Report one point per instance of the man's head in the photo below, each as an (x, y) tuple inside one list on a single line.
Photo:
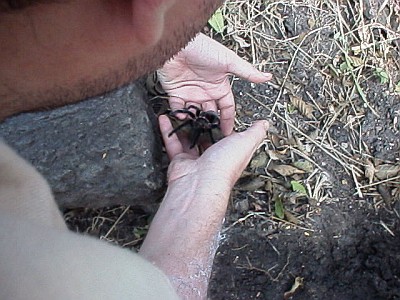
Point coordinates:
[(69, 50)]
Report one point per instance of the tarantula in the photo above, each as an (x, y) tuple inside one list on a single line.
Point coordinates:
[(199, 123)]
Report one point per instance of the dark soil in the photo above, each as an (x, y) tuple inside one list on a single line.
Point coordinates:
[(347, 254)]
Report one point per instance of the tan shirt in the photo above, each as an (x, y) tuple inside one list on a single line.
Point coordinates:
[(41, 259)]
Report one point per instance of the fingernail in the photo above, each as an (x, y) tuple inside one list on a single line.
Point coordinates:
[(266, 125), (268, 75)]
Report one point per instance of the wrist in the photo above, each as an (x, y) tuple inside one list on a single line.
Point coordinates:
[(189, 216), (202, 183)]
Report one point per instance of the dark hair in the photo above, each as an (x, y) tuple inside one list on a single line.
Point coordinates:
[(14, 4), (10, 5)]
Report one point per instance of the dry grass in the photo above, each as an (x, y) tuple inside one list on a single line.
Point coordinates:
[(348, 50)]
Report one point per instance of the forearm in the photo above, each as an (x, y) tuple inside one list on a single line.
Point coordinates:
[(184, 235)]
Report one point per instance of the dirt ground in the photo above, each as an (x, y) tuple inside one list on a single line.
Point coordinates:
[(316, 214), (340, 248), (331, 108)]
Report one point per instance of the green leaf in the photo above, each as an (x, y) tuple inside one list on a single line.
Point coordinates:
[(291, 109), (344, 67), (382, 75), (298, 187), (217, 21), (279, 210), (397, 88), (140, 232), (334, 70)]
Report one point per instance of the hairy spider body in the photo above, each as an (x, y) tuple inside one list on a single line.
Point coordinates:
[(199, 123)]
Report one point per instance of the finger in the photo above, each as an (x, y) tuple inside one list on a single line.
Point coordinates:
[(246, 70), (172, 143), (227, 115), (243, 144), (209, 105), (232, 154), (191, 103), (176, 103)]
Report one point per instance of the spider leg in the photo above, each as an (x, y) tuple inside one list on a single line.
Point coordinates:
[(211, 136), (195, 137), (198, 110), (186, 123), (182, 111)]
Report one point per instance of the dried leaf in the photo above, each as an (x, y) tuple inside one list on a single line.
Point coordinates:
[(279, 210), (386, 171), (311, 23), (297, 177), (304, 165), (298, 283), (298, 187), (274, 155), (384, 190), (291, 141), (299, 144), (276, 140), (260, 160), (245, 174), (369, 171), (269, 186), (290, 87), (286, 170), (257, 207), (356, 61), (251, 184), (304, 108), (282, 152), (291, 218)]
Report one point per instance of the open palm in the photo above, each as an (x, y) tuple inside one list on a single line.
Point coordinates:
[(199, 75)]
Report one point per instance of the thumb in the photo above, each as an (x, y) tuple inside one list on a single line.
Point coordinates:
[(232, 154)]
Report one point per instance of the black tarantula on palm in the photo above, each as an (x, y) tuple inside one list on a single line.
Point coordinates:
[(199, 123)]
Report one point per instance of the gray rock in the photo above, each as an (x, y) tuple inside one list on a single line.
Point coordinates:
[(100, 152)]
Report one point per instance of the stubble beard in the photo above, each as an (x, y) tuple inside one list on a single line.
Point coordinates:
[(136, 67), (55, 96)]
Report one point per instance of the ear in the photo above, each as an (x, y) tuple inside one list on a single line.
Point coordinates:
[(148, 18)]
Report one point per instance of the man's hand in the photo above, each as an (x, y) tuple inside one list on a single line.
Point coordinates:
[(199, 75), (223, 161), (184, 233)]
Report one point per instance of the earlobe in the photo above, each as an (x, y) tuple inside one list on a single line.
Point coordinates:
[(148, 19)]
